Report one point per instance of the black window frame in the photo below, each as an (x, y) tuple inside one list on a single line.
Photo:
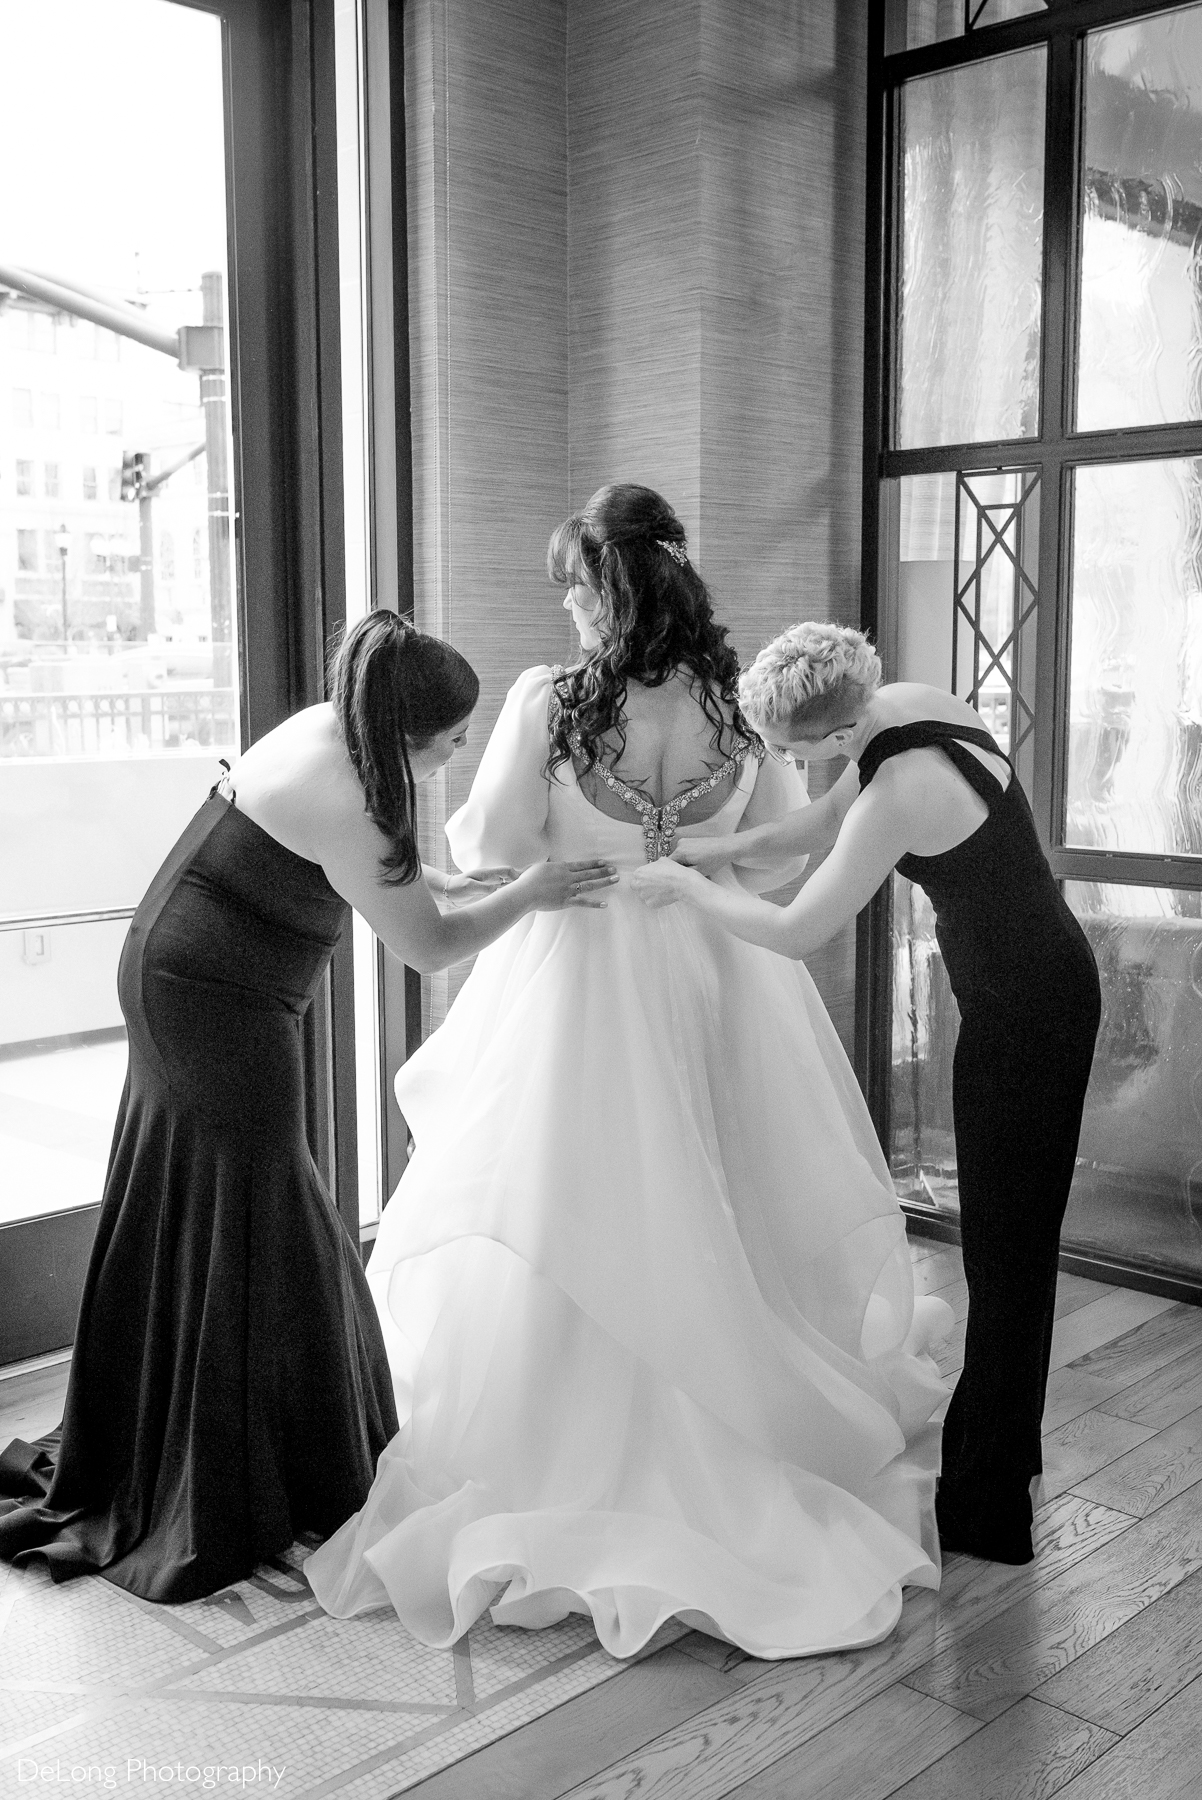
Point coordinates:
[(1056, 451)]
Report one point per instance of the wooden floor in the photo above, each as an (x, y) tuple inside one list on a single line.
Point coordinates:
[(1080, 1675)]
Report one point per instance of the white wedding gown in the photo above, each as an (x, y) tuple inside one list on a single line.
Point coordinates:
[(645, 1284)]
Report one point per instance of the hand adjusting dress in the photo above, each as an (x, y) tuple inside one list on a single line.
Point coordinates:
[(229, 1386), (1027, 987), (644, 1284)]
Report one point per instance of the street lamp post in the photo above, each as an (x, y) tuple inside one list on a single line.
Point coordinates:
[(62, 540)]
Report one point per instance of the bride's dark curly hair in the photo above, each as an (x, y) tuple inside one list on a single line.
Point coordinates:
[(655, 617)]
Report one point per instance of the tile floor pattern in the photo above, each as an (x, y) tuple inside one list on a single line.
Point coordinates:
[(102, 1694)]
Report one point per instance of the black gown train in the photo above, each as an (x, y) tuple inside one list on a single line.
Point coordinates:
[(1026, 983), (229, 1385)]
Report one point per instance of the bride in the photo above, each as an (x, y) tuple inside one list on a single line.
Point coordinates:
[(645, 1284)]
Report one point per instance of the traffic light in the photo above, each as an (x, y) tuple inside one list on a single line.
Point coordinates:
[(133, 474)]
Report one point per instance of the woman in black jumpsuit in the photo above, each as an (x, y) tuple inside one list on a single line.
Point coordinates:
[(1026, 984), (229, 1386)]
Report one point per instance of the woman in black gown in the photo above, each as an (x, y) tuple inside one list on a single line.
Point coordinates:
[(928, 792), (229, 1386)]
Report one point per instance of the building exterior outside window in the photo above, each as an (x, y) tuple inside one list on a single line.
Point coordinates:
[(88, 418), (23, 408), (51, 412), (50, 482), (112, 416), (27, 550), (89, 481), (24, 476)]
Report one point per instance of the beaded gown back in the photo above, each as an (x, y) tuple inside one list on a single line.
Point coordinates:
[(644, 1285)]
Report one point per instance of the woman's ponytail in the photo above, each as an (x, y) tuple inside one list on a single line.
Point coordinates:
[(392, 687)]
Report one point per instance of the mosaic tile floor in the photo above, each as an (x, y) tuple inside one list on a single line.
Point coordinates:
[(256, 1691)]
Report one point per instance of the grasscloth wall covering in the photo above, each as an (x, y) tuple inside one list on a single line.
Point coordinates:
[(636, 243)]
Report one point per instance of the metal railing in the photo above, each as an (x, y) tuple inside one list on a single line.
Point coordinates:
[(112, 724)]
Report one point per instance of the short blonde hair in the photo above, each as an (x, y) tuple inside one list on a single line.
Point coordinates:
[(812, 675)]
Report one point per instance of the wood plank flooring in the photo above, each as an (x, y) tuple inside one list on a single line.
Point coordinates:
[(1078, 1676)]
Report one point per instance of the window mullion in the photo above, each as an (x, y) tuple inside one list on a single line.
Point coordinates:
[(1051, 660)]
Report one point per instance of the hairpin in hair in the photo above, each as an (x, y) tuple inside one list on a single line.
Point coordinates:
[(675, 551)]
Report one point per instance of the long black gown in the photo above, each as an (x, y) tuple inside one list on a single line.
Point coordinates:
[(1027, 987), (229, 1385)]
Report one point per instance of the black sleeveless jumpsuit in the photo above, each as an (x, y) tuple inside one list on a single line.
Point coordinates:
[(1027, 987)]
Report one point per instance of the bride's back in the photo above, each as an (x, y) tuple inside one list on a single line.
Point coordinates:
[(670, 747)]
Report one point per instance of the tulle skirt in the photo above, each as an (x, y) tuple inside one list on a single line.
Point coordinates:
[(648, 1307)]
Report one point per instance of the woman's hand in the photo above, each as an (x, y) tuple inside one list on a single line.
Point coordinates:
[(460, 890), (551, 886), (665, 882), (708, 855)]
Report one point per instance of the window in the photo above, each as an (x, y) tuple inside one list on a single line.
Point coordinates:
[(114, 484), (256, 136), (27, 551), (88, 414), (50, 481), (50, 412), (1034, 532), (22, 407), (24, 477), (112, 417), (89, 482), (167, 556)]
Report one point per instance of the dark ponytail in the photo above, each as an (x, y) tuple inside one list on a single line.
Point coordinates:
[(392, 686)]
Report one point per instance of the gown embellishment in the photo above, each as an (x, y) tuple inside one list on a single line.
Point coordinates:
[(660, 823)]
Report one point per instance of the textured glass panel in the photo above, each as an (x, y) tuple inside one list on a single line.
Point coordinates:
[(1135, 706), (1137, 1192), (926, 1021), (912, 23), (1138, 1188), (1141, 263), (968, 558), (972, 247)]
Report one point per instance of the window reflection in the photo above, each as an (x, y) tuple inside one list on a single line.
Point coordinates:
[(972, 247), (1135, 710), (1141, 227), (1138, 1187)]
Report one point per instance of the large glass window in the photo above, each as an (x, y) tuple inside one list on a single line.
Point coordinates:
[(1041, 343), (972, 246), (118, 683), (1141, 212), (1135, 674)]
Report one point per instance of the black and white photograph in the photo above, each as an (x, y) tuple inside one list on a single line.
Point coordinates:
[(601, 899)]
